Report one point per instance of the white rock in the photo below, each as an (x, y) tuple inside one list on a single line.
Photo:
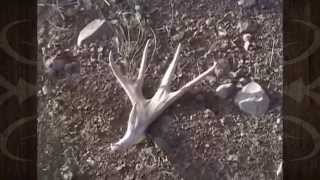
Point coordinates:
[(279, 170), (246, 3), (222, 32), (233, 157), (225, 90), (44, 90), (67, 175), (247, 37), (90, 161), (252, 99), (178, 36), (247, 41), (246, 45), (89, 30)]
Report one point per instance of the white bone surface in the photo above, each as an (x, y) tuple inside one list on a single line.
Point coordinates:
[(145, 111)]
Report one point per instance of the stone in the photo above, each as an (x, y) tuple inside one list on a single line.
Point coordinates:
[(223, 67), (209, 21), (179, 36), (90, 161), (247, 26), (222, 32), (45, 90), (252, 99), (232, 157), (246, 3), (211, 79), (207, 113), (247, 41)]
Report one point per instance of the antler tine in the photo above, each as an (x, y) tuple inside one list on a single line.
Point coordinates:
[(140, 78), (125, 83), (187, 86), (143, 114), (165, 82)]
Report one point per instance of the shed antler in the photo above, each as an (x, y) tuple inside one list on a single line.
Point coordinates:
[(145, 111)]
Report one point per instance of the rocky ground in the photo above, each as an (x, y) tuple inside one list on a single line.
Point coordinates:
[(201, 136)]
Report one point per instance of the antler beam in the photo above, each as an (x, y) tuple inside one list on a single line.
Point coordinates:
[(145, 111)]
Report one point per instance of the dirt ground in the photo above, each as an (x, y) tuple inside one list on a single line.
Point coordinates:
[(201, 136)]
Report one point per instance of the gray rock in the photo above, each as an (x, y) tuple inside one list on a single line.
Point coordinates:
[(44, 90), (212, 79), (233, 157), (223, 67), (90, 161), (246, 3), (179, 36), (209, 21), (252, 99), (222, 32), (87, 4), (247, 26)]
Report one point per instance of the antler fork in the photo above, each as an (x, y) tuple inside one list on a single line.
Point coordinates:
[(145, 111)]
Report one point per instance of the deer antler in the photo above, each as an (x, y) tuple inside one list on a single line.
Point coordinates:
[(145, 111)]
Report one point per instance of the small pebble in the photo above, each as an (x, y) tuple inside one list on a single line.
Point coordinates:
[(246, 3)]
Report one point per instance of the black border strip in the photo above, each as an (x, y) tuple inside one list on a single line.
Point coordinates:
[(18, 102), (301, 97)]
